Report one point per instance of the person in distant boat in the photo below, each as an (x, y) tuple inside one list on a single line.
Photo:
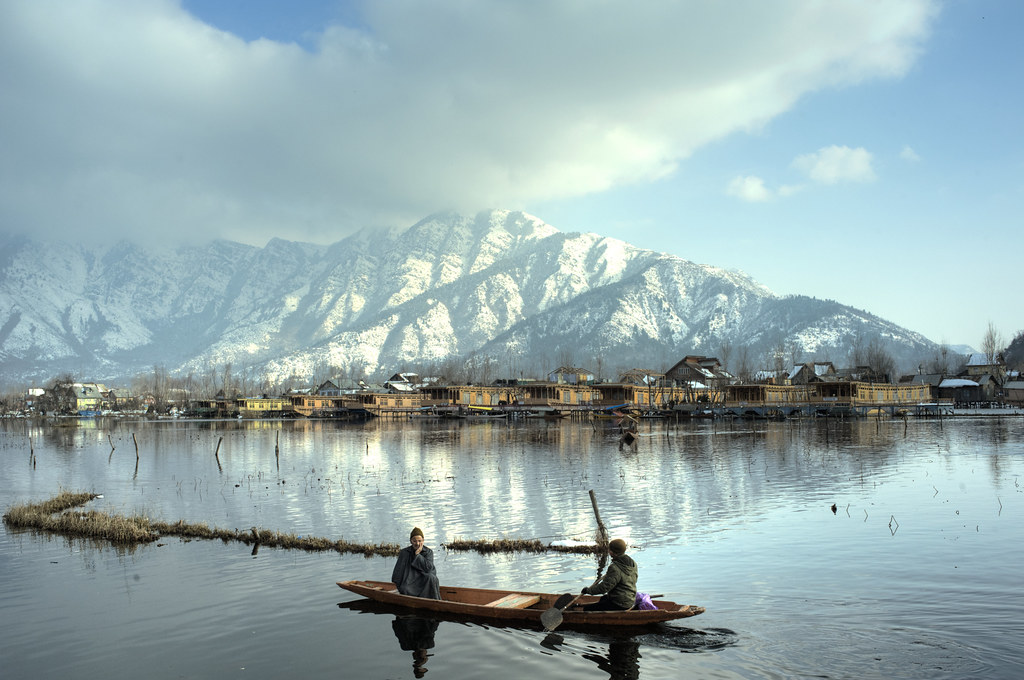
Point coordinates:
[(414, 573), (628, 437), (618, 587)]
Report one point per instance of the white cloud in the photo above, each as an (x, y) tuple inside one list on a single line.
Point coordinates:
[(908, 154), (835, 164), (749, 188), (119, 117)]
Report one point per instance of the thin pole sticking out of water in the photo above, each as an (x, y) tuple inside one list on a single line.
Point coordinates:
[(216, 454), (602, 533), (136, 447)]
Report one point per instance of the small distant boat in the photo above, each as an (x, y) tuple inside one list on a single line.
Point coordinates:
[(611, 412), (514, 606), (485, 412)]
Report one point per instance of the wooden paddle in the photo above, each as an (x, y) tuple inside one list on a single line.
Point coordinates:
[(552, 618)]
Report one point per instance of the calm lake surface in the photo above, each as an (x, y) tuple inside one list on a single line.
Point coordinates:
[(916, 574)]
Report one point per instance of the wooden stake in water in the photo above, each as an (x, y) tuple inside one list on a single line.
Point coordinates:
[(136, 447), (602, 533), (216, 454)]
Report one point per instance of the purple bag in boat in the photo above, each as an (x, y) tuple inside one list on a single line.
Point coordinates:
[(643, 601)]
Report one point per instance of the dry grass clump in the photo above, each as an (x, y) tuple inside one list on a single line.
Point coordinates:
[(58, 515), (510, 545), (55, 516), (500, 545), (65, 500), (274, 539), (578, 549)]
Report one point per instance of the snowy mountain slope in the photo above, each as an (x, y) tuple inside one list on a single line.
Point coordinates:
[(500, 285)]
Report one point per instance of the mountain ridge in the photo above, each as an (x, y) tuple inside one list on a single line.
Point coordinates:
[(500, 286)]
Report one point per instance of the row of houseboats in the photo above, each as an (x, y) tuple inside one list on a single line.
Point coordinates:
[(849, 398)]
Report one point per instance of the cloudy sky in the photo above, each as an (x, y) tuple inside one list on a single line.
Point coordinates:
[(867, 152)]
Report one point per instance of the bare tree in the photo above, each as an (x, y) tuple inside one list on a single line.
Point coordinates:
[(725, 353), (778, 360), (487, 368), (565, 357), (878, 358), (743, 364), (227, 384), (940, 362), (992, 343), (858, 352), (158, 387), (795, 352)]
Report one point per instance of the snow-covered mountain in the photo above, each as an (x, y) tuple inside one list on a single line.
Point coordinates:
[(502, 290)]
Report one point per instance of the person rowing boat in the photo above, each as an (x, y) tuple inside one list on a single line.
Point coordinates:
[(618, 587)]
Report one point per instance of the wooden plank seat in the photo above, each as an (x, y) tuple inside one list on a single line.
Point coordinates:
[(515, 601)]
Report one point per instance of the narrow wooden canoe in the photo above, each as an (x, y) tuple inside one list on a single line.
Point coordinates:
[(515, 606)]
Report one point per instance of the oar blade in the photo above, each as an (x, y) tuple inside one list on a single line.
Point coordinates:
[(551, 619)]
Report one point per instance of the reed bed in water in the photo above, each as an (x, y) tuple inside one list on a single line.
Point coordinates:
[(61, 515)]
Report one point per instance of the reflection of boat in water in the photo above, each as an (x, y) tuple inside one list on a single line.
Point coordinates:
[(416, 633), (548, 413), (516, 607)]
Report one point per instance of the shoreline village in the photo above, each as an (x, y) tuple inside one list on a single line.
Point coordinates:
[(696, 387)]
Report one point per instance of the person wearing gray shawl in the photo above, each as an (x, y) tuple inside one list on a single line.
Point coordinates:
[(414, 573)]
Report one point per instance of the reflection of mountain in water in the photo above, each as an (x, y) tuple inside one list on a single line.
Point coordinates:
[(528, 480)]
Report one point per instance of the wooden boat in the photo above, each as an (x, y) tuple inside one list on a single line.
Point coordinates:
[(514, 606)]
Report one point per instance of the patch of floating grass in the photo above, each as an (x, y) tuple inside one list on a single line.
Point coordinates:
[(61, 515), (510, 545), (58, 516)]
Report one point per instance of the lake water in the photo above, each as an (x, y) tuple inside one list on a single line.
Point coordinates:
[(916, 574)]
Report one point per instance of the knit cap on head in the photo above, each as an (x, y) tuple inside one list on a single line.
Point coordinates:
[(416, 531), (617, 546)]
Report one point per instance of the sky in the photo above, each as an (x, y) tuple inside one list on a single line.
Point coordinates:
[(862, 151)]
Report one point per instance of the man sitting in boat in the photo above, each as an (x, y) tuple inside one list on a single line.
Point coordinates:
[(414, 573), (618, 587)]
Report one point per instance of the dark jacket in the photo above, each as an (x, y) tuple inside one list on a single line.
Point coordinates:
[(415, 575), (619, 582)]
